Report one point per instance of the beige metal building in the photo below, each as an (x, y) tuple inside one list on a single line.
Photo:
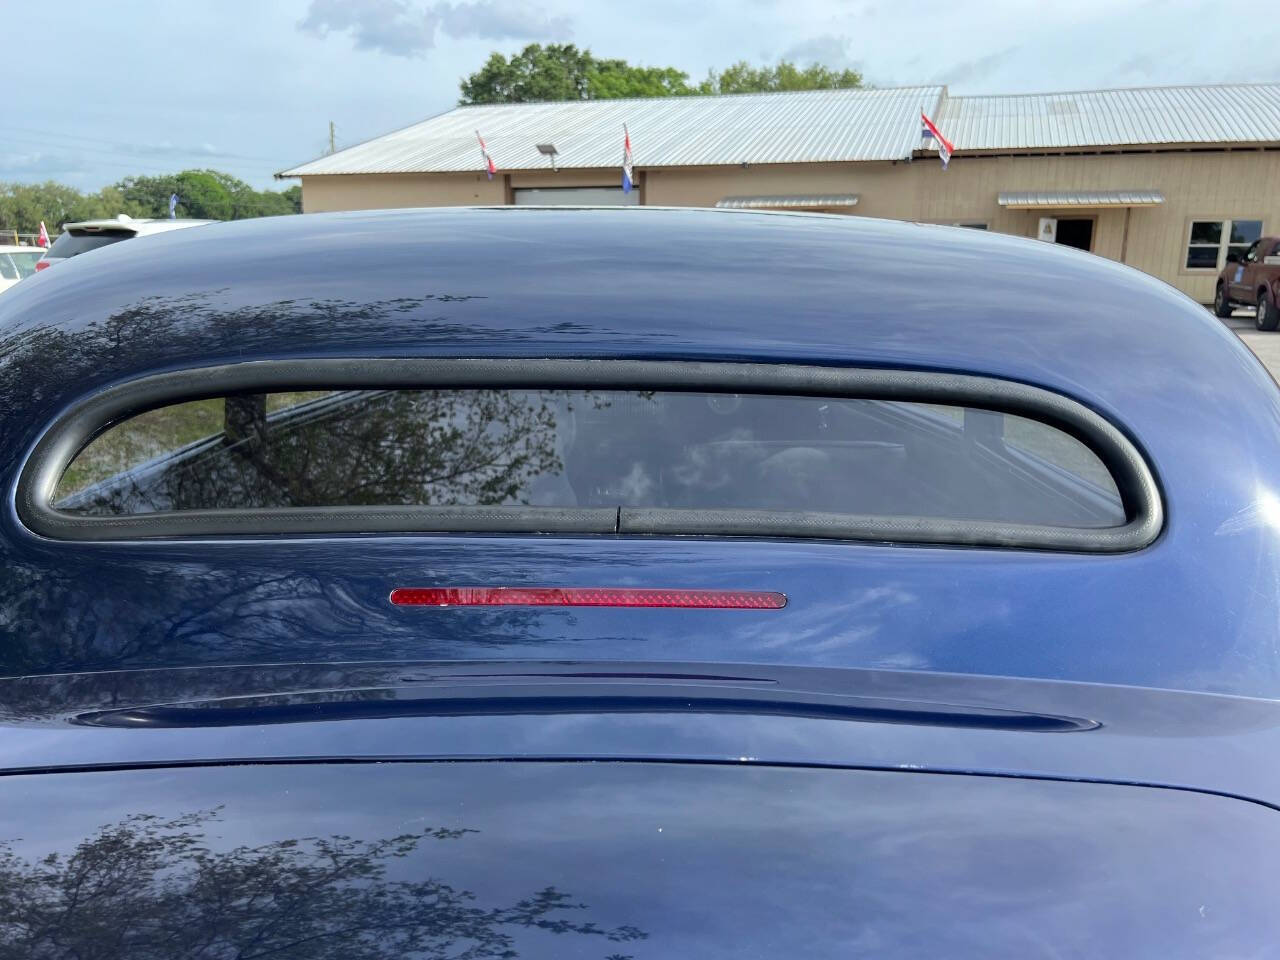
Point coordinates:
[(1165, 179)]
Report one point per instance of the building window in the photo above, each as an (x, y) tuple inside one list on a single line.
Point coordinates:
[(1210, 241)]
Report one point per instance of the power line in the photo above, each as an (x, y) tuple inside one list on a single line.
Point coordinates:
[(147, 164), (120, 163), (91, 163), (119, 144)]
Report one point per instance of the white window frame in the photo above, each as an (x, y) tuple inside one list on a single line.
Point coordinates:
[(1223, 245)]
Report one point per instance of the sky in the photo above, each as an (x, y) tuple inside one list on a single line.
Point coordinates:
[(97, 91)]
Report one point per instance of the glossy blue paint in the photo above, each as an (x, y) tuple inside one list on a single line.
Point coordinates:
[(1196, 611), (1094, 728), (625, 860), (715, 712)]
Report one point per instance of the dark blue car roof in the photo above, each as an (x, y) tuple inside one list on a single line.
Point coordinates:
[(1037, 751), (643, 283), (1197, 609)]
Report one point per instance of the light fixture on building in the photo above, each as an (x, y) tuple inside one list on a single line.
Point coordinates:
[(549, 151)]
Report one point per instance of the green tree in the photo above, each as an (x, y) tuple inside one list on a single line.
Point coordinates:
[(148, 195), (292, 196), (109, 202), (560, 71), (204, 194), (24, 205), (614, 79), (742, 77)]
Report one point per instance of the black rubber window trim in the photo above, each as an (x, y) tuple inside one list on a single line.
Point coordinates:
[(67, 436)]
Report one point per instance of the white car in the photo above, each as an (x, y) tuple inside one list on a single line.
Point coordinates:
[(78, 238), (16, 263)]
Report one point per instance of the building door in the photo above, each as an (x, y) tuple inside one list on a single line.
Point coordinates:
[(574, 197), (1076, 233)]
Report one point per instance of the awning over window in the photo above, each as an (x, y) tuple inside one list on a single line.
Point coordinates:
[(1087, 198), (797, 202)]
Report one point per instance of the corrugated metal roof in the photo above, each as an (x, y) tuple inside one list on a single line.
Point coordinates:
[(809, 202), (1225, 113), (811, 127), (802, 127), (1091, 198)]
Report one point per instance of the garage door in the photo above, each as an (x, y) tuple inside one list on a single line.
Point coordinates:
[(575, 197)]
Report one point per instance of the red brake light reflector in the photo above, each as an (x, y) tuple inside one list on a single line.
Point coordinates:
[(586, 597), (43, 265)]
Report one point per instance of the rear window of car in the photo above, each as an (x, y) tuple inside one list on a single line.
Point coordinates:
[(74, 243), (26, 261), (617, 449)]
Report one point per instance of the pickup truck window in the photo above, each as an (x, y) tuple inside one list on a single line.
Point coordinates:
[(1241, 235), (1209, 242)]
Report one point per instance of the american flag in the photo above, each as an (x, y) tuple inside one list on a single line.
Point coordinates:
[(626, 160), (929, 132), (489, 168)]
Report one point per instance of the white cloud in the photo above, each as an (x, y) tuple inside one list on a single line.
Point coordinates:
[(501, 20), (828, 49), (389, 26), (40, 165), (976, 70), (405, 29)]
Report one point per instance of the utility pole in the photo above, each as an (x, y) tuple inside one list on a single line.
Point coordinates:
[(332, 147)]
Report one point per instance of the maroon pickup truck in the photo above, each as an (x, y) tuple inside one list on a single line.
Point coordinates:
[(1252, 279)]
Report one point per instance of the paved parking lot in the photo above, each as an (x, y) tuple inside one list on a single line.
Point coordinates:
[(1265, 345)]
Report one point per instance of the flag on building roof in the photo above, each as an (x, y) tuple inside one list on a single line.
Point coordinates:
[(626, 160), (489, 168), (929, 131), (44, 235)]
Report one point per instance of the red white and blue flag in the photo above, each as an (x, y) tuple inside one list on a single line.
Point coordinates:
[(489, 168), (44, 236), (626, 160), (929, 132)]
